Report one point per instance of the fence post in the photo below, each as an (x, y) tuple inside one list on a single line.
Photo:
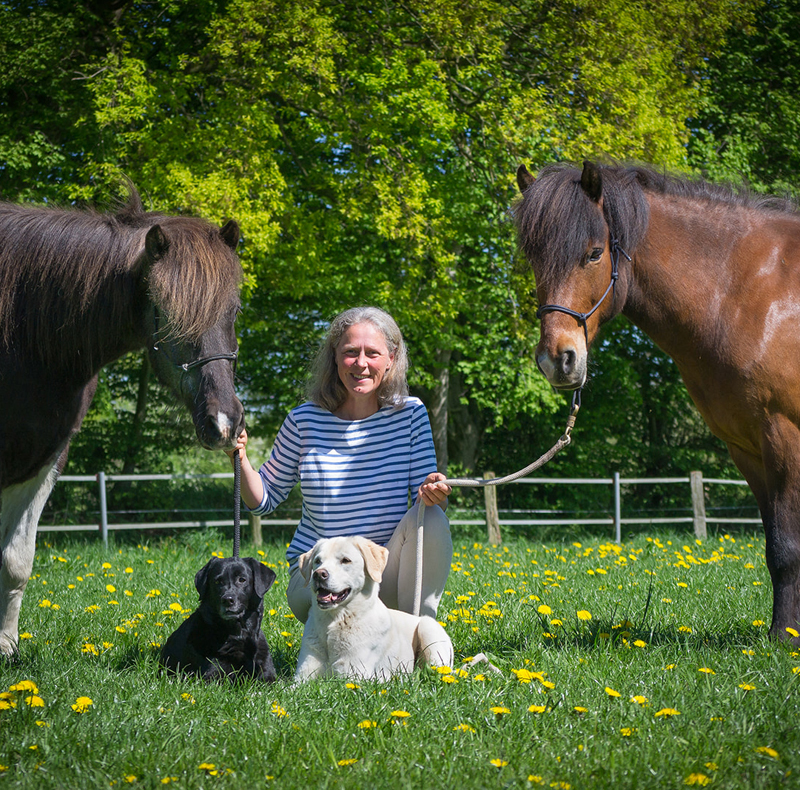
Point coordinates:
[(492, 516), (698, 505), (255, 528), (101, 483), (617, 510)]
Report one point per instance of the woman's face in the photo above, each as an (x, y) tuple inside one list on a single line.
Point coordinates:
[(362, 359)]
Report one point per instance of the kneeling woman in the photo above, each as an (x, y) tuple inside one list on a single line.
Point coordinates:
[(359, 447)]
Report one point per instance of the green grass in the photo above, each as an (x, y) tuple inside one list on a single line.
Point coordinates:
[(675, 624)]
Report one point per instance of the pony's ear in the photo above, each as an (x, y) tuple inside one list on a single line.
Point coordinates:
[(230, 233), (592, 182), (524, 178), (156, 243)]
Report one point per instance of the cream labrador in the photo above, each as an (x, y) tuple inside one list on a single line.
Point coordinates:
[(350, 632)]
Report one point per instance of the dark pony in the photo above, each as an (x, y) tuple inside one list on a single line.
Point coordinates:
[(78, 289), (712, 275)]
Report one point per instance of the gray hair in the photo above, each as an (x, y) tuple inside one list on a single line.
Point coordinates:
[(324, 386)]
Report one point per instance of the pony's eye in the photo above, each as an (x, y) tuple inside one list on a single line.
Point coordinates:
[(595, 254)]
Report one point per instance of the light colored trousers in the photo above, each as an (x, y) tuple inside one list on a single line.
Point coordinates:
[(397, 585)]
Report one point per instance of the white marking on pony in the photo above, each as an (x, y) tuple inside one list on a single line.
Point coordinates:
[(778, 314), (224, 423), (22, 504)]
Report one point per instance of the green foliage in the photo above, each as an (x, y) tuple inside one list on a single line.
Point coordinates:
[(748, 125)]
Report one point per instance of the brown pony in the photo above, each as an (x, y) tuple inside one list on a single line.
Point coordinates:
[(78, 290), (713, 277)]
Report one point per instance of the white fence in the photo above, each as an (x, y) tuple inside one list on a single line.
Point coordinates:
[(695, 482)]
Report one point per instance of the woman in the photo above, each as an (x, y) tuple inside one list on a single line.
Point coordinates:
[(359, 446)]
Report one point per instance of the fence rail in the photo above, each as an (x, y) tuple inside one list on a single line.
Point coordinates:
[(491, 520)]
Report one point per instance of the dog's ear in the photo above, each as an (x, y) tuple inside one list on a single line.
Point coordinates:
[(201, 578), (263, 577), (304, 563), (375, 558)]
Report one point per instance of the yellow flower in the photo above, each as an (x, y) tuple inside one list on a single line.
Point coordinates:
[(111, 588), (746, 686), (351, 686), (34, 701), (25, 685), (639, 643), (668, 712), (544, 609), (400, 714), (537, 708), (612, 693), (464, 728), (639, 699), (579, 709), (584, 615), (792, 632), (499, 711), (768, 750), (627, 731), (367, 724), (82, 704), (498, 763), (697, 779), (350, 761), (707, 671)]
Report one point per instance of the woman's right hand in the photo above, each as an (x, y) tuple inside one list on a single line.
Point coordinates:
[(241, 445)]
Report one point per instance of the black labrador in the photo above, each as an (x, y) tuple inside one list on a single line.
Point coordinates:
[(222, 638)]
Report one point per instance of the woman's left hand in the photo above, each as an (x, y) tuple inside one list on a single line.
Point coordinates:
[(434, 491)]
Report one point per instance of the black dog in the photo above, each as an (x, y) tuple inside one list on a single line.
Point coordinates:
[(222, 638)]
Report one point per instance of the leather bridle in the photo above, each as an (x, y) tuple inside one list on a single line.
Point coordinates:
[(582, 318)]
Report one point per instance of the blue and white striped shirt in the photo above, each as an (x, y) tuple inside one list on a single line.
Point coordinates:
[(355, 477)]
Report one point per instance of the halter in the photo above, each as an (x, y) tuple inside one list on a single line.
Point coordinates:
[(232, 356), (582, 318)]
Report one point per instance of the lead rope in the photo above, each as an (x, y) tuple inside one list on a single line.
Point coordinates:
[(477, 482), (237, 504)]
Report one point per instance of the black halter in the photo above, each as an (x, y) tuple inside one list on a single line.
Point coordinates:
[(232, 356), (581, 318)]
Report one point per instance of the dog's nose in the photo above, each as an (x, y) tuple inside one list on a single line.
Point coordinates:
[(321, 574)]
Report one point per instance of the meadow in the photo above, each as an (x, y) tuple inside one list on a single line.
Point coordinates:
[(644, 665)]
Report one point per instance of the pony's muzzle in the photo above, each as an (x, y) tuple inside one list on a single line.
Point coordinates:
[(219, 429), (565, 365)]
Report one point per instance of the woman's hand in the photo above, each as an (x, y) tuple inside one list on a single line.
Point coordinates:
[(434, 491), (241, 445)]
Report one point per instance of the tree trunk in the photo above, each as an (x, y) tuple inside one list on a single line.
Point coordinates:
[(438, 407), (137, 427)]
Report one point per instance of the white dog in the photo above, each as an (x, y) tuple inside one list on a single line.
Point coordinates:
[(350, 632)]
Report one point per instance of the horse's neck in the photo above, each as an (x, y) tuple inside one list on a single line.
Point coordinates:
[(680, 275)]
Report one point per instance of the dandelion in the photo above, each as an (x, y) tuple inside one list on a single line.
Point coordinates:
[(639, 699), (537, 709), (697, 779), (612, 693), (758, 623), (26, 635), (350, 761), (768, 750), (367, 724), (707, 671), (352, 686), (498, 763), (499, 711), (25, 685), (640, 643), (111, 588), (664, 712), (579, 709), (544, 609), (278, 710), (792, 632), (400, 714), (464, 728), (746, 687), (34, 701), (535, 780), (627, 731), (82, 704), (584, 615)]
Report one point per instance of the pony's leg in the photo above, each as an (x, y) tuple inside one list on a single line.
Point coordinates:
[(775, 483), (21, 507)]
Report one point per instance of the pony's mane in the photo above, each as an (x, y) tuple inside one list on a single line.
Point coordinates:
[(554, 215), (63, 270)]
